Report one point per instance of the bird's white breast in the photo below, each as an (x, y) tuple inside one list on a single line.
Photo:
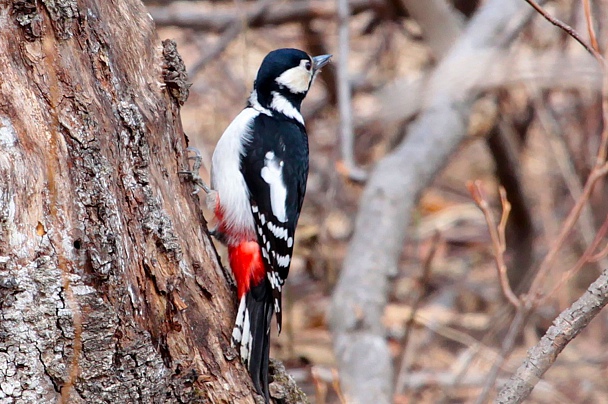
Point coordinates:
[(226, 177)]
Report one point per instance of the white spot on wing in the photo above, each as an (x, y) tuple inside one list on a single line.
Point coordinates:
[(278, 231), (277, 307), (272, 173), (283, 260), (289, 242), (275, 281)]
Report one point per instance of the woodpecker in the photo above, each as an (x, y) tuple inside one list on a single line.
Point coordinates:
[(258, 180)]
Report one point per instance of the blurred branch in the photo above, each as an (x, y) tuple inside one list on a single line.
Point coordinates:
[(279, 13), (391, 193), (344, 96), (315, 45), (520, 229), (422, 287), (565, 328), (508, 342), (564, 161), (588, 256), (539, 70), (547, 263), (229, 35), (439, 22)]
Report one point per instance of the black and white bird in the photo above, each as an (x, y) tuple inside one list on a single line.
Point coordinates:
[(258, 180)]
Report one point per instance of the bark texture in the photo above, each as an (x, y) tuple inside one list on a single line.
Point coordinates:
[(110, 290)]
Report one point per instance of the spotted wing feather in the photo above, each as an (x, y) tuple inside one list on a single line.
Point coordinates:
[(275, 168)]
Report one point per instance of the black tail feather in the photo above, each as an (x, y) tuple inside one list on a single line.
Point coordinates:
[(253, 344)]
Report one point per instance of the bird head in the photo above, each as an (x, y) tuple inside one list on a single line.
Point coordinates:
[(286, 75)]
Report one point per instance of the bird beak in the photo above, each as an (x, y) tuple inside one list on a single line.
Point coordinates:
[(319, 61)]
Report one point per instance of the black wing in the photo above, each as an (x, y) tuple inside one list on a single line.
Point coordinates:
[(275, 167)]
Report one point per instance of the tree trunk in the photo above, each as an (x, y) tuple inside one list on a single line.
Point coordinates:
[(110, 289)]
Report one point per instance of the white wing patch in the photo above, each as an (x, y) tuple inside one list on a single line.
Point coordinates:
[(282, 105), (272, 173)]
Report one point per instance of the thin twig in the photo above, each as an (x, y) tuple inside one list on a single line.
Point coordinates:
[(587, 256), (549, 260), (590, 30), (497, 235), (507, 347), (568, 29), (336, 385), (564, 161), (600, 255), (422, 282)]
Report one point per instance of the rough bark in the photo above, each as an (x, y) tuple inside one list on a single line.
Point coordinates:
[(391, 193), (110, 290)]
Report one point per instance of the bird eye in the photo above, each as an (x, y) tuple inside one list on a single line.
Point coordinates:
[(307, 65)]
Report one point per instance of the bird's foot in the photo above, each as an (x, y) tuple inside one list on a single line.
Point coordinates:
[(193, 176), (219, 236)]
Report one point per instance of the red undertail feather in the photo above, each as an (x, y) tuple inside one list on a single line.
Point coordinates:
[(247, 265)]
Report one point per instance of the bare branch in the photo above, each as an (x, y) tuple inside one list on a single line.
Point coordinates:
[(565, 328), (280, 13), (229, 35), (440, 24), (344, 96)]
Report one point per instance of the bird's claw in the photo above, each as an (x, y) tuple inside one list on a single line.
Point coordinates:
[(193, 175)]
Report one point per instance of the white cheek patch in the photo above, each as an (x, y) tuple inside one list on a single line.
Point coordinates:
[(272, 173), (297, 79)]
